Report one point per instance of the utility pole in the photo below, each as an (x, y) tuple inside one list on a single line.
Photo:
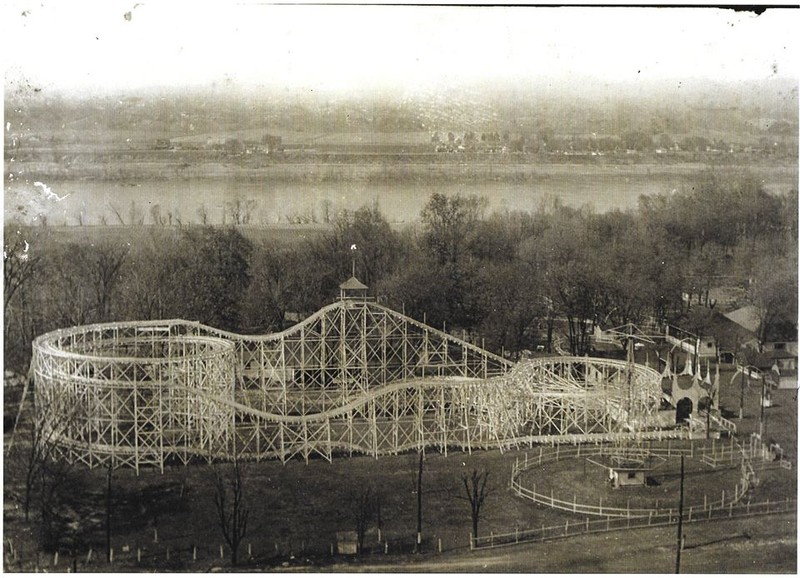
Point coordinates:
[(741, 398), (418, 547), (761, 424), (680, 525), (108, 511)]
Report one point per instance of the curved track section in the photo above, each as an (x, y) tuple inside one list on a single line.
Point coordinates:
[(353, 377)]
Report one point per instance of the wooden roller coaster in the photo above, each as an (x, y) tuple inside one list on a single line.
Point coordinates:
[(355, 377)]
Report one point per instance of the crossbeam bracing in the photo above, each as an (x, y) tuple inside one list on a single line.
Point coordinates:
[(355, 377)]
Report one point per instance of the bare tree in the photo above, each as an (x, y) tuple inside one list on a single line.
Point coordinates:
[(363, 506), (202, 214), (475, 492), (117, 213), (156, 216), (34, 454), (232, 512), (241, 211), (106, 265), (19, 264), (135, 214)]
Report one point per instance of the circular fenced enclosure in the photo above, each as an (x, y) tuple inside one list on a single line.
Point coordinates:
[(355, 377)]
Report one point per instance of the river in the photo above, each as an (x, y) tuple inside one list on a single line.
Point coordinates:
[(95, 202)]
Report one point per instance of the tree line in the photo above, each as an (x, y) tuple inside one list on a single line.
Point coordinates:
[(516, 279)]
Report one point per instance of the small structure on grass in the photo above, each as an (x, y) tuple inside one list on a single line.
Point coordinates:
[(347, 543)]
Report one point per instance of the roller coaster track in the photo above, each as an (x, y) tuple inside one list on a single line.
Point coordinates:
[(353, 377)]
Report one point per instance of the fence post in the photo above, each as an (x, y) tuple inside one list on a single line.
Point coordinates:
[(221, 552), (730, 510), (600, 513), (194, 553), (111, 555), (767, 505), (574, 502), (89, 556), (608, 522), (55, 559), (690, 512), (491, 539), (155, 535), (138, 555), (649, 517), (587, 524), (551, 498), (386, 547), (566, 528), (516, 535), (471, 545), (705, 502), (440, 545), (167, 553), (249, 550)]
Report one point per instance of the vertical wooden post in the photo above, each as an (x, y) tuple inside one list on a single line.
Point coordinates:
[(680, 524)]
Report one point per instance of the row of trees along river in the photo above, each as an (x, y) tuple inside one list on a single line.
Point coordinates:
[(512, 277)]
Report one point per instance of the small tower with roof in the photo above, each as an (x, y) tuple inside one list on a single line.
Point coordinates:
[(353, 290)]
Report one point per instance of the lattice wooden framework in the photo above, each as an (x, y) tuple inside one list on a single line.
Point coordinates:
[(354, 377)]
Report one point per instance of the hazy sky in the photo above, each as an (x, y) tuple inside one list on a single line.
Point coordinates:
[(74, 45)]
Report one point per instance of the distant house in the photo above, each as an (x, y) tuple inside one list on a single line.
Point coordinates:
[(748, 317), (777, 367), (272, 144), (695, 345)]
